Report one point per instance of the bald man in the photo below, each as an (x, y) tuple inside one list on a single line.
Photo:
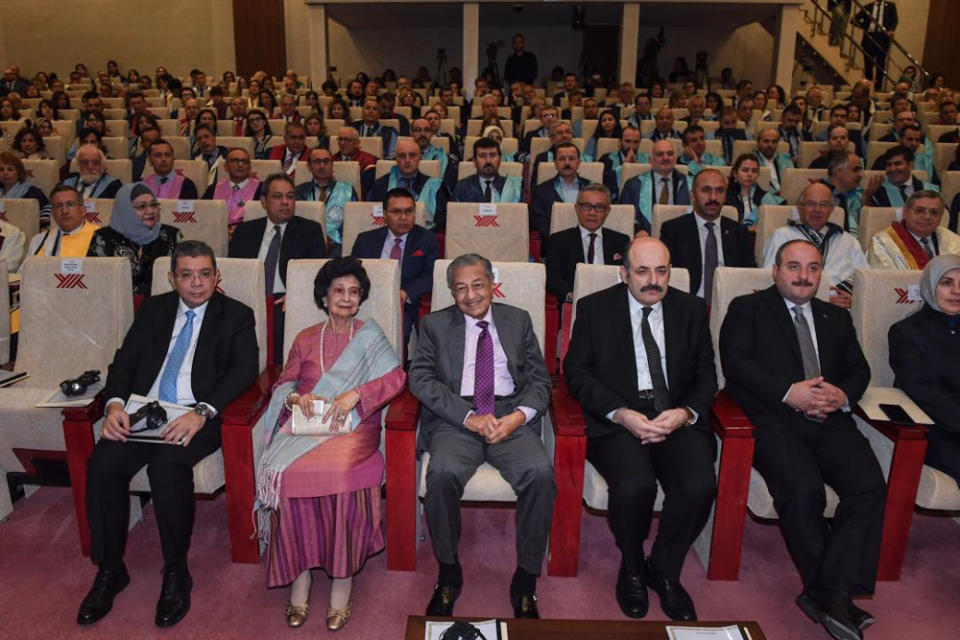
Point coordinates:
[(640, 429), (406, 174)]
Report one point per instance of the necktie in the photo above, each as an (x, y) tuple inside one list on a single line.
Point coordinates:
[(396, 251), (591, 250), (288, 161), (483, 371), (903, 191), (270, 263), (710, 262), (487, 191), (808, 355), (164, 179), (168, 380), (927, 247), (664, 192), (236, 188), (661, 395), (727, 147), (321, 193)]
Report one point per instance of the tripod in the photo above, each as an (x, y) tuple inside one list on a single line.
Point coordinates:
[(441, 71)]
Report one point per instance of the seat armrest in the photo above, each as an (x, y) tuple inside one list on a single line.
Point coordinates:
[(403, 412), (89, 413), (246, 409), (566, 413), (728, 419), (892, 431)]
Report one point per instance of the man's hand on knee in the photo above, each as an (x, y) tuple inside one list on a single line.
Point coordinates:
[(116, 424)]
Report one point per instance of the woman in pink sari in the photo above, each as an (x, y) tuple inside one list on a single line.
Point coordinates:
[(319, 496)]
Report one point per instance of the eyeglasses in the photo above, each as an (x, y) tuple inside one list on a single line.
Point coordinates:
[(402, 212), (589, 207), (140, 208)]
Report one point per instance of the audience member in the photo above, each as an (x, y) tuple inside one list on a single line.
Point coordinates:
[(695, 155), (909, 244), (521, 65), (744, 193), (488, 185), (70, 233), (768, 141), (258, 128), (406, 174), (294, 147), (239, 187), (209, 151), (370, 126), (565, 187), (14, 185), (728, 133), (663, 184), (324, 187), (899, 183), (664, 125), (844, 178), (422, 134), (165, 181), (91, 179), (838, 140)]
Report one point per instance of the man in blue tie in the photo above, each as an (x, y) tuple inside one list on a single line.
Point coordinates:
[(193, 347)]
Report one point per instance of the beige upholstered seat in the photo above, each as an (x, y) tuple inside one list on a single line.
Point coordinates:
[(609, 145), (500, 233), (4, 332), (729, 283), (73, 317), (773, 216), (43, 173), (592, 171), (366, 216), (98, 210), (204, 220), (118, 128), (810, 151), (665, 212), (741, 147), (523, 285), (196, 170), (563, 216), (243, 142), (876, 219), (875, 149), (345, 171), (23, 213), (259, 169), (467, 169), (943, 155), (794, 181), (539, 145), (429, 168), (181, 147), (882, 299), (634, 169), (121, 169), (950, 186), (242, 280)]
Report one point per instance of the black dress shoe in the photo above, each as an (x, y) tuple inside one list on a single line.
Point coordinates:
[(631, 592), (444, 597), (861, 618), (525, 606), (674, 599), (832, 613), (174, 602), (99, 599)]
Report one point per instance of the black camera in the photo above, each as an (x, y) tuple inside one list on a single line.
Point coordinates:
[(78, 386), (153, 413)]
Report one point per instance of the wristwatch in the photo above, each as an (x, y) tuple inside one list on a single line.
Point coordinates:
[(203, 409), (691, 416)]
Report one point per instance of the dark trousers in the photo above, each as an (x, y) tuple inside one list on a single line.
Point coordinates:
[(943, 451), (796, 460), (455, 454), (683, 463), (875, 48), (170, 469), (278, 321)]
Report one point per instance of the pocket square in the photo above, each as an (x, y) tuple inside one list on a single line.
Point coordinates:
[(418, 252)]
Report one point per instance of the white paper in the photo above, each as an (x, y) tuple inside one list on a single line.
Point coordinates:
[(487, 208), (316, 426), (489, 629), (873, 397), (731, 632), (90, 206), (378, 210), (59, 399), (185, 206), (174, 411), (71, 266), (913, 293)]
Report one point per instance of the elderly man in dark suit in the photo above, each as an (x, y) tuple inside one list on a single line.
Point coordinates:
[(793, 363), (703, 240), (276, 239), (588, 242), (480, 375), (401, 239), (641, 365), (192, 346)]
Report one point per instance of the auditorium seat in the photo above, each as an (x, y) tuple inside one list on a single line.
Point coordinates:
[(875, 219), (427, 167), (467, 169), (23, 213), (664, 212), (117, 128), (508, 145), (204, 220), (943, 155), (366, 216), (196, 170), (794, 181), (592, 171), (771, 217), (56, 148), (475, 127), (950, 186), (741, 147), (70, 322), (343, 171), (875, 149), (632, 169), (810, 151), (245, 143), (609, 145), (883, 298), (500, 234), (98, 210), (45, 174), (259, 169)]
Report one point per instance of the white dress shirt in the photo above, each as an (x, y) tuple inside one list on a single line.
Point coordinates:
[(644, 381), (569, 190), (597, 244), (389, 242), (493, 186), (702, 232), (265, 246)]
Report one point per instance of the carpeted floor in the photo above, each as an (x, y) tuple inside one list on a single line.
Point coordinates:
[(44, 578)]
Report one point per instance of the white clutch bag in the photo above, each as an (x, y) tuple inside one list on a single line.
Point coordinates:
[(300, 425)]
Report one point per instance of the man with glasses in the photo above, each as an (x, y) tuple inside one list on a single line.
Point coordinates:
[(348, 141), (406, 174), (238, 189), (70, 234), (423, 135), (166, 182), (588, 242), (841, 251), (293, 149), (548, 115), (370, 127), (91, 179), (402, 239), (325, 188), (208, 355), (911, 243)]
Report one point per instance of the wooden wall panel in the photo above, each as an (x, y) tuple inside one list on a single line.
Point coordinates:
[(259, 36), (940, 49)]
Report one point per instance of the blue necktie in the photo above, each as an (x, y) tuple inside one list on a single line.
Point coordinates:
[(168, 381)]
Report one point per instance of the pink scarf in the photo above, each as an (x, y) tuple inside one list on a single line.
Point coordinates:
[(236, 199), (168, 191)]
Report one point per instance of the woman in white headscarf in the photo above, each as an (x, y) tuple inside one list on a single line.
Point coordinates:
[(925, 358), (135, 233)]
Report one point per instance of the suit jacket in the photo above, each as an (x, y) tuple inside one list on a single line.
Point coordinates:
[(301, 239), (736, 134), (865, 18), (563, 251), (925, 359), (683, 239), (361, 157), (378, 191), (524, 146), (279, 152), (541, 205), (881, 199), (108, 189), (389, 135), (225, 362), (468, 189), (760, 355), (601, 369), (416, 267), (437, 368)]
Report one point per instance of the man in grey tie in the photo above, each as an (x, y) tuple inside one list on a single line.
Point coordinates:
[(479, 373), (192, 346), (794, 365)]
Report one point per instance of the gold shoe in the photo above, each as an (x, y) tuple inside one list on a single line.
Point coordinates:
[(337, 618), (296, 614)]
